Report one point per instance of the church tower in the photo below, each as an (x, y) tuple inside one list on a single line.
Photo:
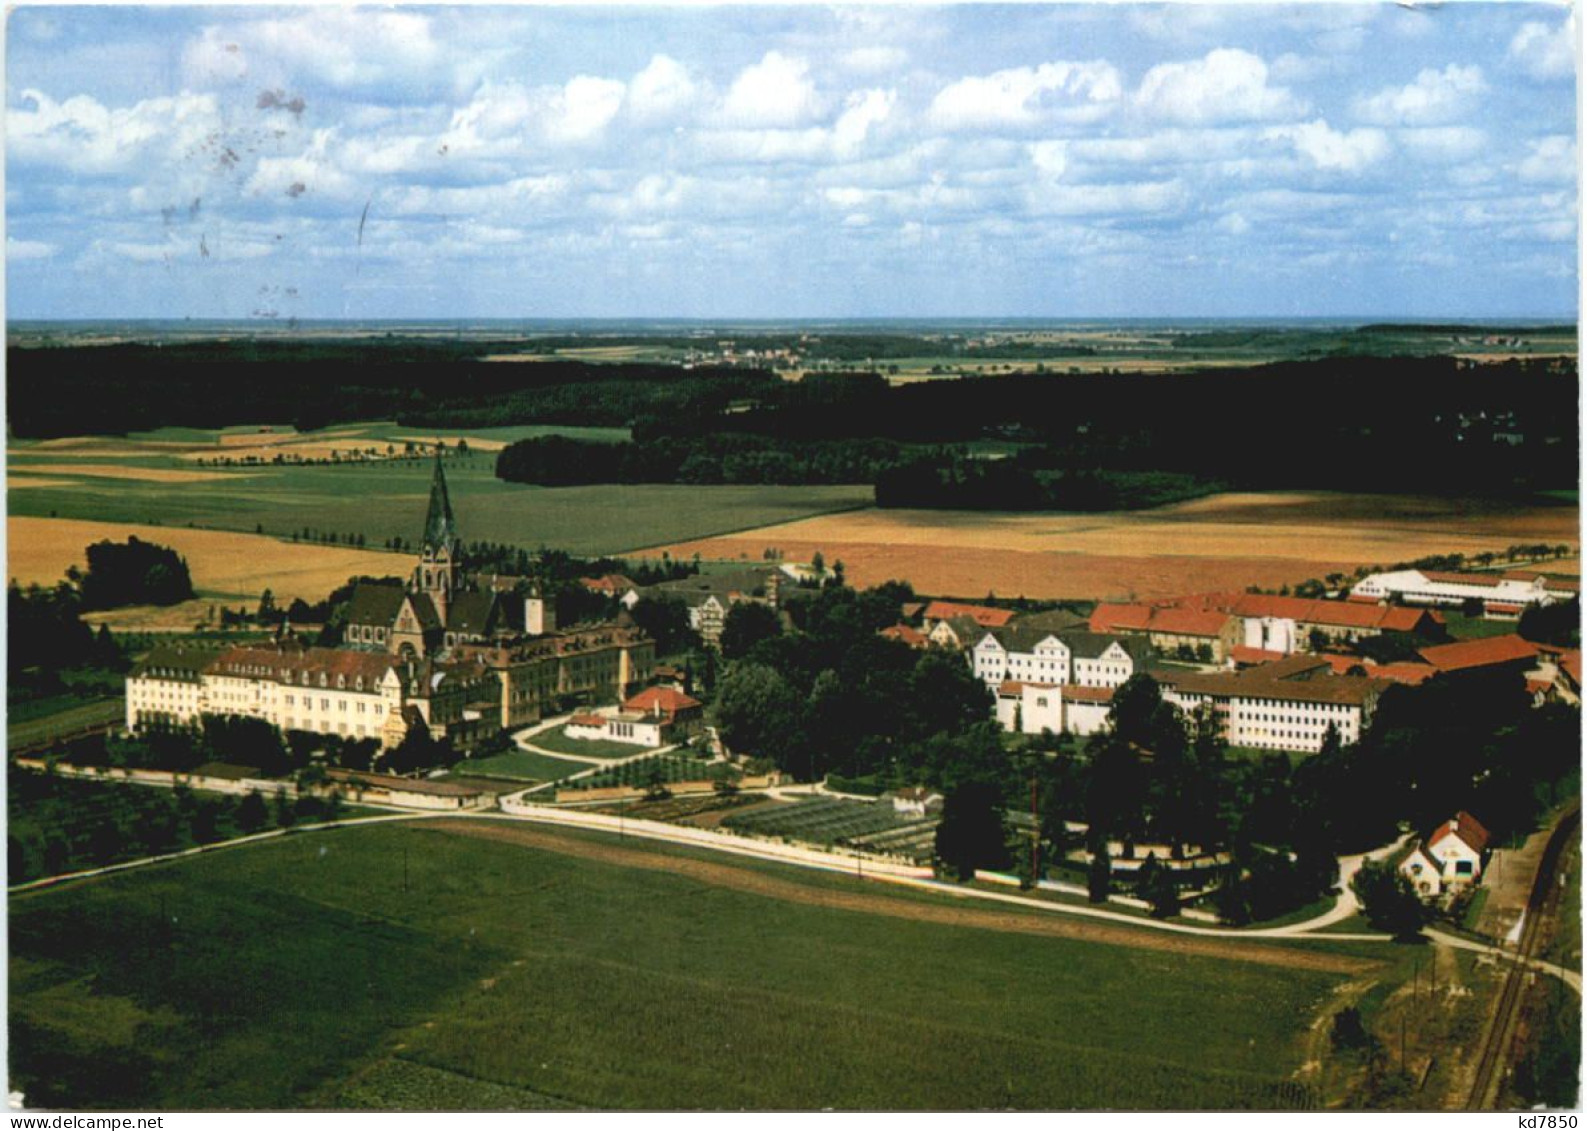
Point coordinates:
[(437, 573)]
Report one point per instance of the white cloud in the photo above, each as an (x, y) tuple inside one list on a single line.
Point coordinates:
[(662, 90), (1443, 143), (17, 250), (1148, 198), (862, 110), (1022, 96), (581, 109), (1544, 52), (502, 117), (776, 91), (1434, 98), (213, 57), (345, 47), (1552, 160), (1228, 85), (1234, 223), (312, 171), (873, 60), (1051, 158), (83, 136), (1334, 150)]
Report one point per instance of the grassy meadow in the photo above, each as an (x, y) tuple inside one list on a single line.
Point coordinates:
[(381, 501), (309, 972)]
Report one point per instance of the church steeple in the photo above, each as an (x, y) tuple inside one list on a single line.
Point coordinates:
[(437, 571), (440, 528)]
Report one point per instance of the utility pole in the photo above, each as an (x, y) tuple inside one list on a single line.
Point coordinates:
[(1035, 836)]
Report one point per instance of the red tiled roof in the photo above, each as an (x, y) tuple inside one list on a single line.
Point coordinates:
[(1338, 614), (1449, 577), (1570, 664), (1147, 618), (1466, 828), (609, 583), (661, 701), (983, 615), (1087, 694), (1402, 672), (1242, 654), (587, 721), (290, 664), (1466, 654), (911, 636)]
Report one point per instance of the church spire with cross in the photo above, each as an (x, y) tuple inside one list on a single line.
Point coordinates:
[(440, 528), (437, 571)]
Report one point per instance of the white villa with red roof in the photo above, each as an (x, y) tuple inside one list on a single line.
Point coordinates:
[(1451, 856), (657, 716)]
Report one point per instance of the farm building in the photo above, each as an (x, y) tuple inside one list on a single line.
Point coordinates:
[(1502, 595), (1289, 624)]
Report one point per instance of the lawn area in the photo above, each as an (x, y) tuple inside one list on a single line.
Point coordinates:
[(525, 765), (384, 500), (1462, 627), (70, 717), (557, 741), (310, 972)]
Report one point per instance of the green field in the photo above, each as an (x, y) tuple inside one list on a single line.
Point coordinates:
[(314, 971), (557, 741), (387, 499), (525, 765), (1462, 627)]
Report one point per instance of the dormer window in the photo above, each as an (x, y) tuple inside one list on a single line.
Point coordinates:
[(324, 682), (341, 682), (305, 679)]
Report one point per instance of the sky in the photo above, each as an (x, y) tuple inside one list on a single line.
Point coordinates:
[(1066, 162)]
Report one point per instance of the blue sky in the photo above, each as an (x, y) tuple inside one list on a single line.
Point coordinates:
[(786, 162)]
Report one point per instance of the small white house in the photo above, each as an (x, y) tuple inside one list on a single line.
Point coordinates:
[(1425, 873), (1449, 857), (915, 801)]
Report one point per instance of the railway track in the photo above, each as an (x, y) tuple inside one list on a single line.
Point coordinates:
[(1541, 904)]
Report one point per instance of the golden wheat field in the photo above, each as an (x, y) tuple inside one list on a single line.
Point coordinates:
[(236, 566), (1225, 541), (143, 474)]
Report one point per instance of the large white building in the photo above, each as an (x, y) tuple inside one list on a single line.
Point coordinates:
[(1038, 656), (1035, 708), (1286, 705), (355, 695), (1501, 594)]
